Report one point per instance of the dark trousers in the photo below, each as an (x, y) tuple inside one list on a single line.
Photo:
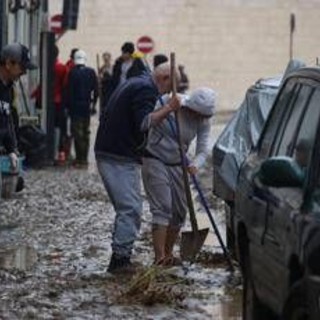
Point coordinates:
[(60, 122), (81, 135)]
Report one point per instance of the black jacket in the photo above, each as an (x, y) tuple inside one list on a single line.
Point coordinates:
[(119, 131), (7, 131), (137, 68), (81, 91)]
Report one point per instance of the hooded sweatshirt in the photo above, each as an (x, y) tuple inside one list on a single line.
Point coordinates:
[(162, 139)]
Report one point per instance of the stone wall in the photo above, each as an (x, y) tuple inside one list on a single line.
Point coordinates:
[(225, 44)]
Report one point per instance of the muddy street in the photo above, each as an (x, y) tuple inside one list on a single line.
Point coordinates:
[(54, 251), (55, 247)]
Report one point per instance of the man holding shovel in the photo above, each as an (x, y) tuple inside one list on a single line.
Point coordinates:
[(119, 146), (162, 168)]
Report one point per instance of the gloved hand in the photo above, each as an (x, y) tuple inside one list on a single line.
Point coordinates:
[(13, 161), (93, 111)]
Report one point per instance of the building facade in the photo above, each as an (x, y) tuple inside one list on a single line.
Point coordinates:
[(225, 44)]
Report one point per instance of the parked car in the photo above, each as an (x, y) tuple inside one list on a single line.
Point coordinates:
[(277, 207), (239, 136)]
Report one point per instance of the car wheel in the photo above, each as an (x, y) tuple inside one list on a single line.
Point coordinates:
[(296, 306), (252, 309)]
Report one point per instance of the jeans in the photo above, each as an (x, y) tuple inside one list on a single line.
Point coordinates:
[(122, 181)]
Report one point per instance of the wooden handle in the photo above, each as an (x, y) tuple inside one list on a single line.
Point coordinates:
[(193, 219), (173, 73)]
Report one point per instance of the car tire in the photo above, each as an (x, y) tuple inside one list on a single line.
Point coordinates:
[(296, 306), (252, 308)]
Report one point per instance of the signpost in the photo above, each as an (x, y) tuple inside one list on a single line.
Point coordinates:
[(145, 44), (292, 29)]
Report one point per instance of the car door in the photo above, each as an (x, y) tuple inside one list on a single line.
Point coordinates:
[(260, 206), (250, 201), (295, 138)]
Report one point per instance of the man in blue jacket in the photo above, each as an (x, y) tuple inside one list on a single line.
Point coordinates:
[(119, 147), (82, 95)]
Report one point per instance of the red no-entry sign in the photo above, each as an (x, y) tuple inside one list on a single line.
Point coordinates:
[(56, 24), (145, 44)]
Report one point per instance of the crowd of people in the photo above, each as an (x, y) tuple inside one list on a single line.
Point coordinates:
[(137, 138), (77, 88)]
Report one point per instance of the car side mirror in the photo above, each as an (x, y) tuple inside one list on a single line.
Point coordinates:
[(281, 172)]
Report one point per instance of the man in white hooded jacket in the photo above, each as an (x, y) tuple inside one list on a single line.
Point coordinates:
[(162, 171)]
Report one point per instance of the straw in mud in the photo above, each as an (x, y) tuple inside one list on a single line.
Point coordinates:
[(155, 285)]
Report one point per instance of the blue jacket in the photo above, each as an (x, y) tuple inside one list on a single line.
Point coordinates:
[(119, 133), (81, 91)]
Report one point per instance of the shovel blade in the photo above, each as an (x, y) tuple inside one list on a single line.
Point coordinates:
[(191, 243)]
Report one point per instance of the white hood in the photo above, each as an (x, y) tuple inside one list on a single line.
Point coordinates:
[(201, 100)]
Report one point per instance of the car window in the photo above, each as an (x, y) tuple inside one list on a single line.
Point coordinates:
[(291, 122), (307, 132), (283, 104)]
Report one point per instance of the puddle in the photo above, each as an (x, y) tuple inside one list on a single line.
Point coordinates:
[(22, 258), (230, 309)]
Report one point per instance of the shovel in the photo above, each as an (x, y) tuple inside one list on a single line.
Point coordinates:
[(191, 241)]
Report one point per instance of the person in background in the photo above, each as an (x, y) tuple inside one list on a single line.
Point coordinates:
[(14, 62), (125, 67), (81, 99), (183, 84), (70, 63), (158, 59), (119, 147), (60, 121), (68, 137), (105, 77), (162, 168)]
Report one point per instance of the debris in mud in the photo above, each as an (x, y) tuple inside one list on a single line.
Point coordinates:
[(155, 285), (211, 259)]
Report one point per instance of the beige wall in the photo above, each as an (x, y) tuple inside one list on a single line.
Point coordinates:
[(225, 44)]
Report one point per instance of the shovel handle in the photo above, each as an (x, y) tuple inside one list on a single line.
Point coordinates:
[(193, 220), (215, 228)]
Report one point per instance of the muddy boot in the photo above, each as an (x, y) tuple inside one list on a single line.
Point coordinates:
[(120, 265)]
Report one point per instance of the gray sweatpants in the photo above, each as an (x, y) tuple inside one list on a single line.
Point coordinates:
[(165, 191), (122, 181)]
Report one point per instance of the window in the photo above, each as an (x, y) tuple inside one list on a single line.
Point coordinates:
[(307, 131), (282, 105), (286, 134)]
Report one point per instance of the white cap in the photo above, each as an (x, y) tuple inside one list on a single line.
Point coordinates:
[(80, 57), (201, 100)]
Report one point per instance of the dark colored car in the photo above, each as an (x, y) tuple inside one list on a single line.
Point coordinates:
[(276, 219), (237, 139), (235, 142)]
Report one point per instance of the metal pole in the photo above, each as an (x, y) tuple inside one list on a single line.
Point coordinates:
[(292, 29), (47, 89)]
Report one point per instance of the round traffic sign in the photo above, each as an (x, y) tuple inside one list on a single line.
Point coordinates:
[(145, 44), (56, 24)]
